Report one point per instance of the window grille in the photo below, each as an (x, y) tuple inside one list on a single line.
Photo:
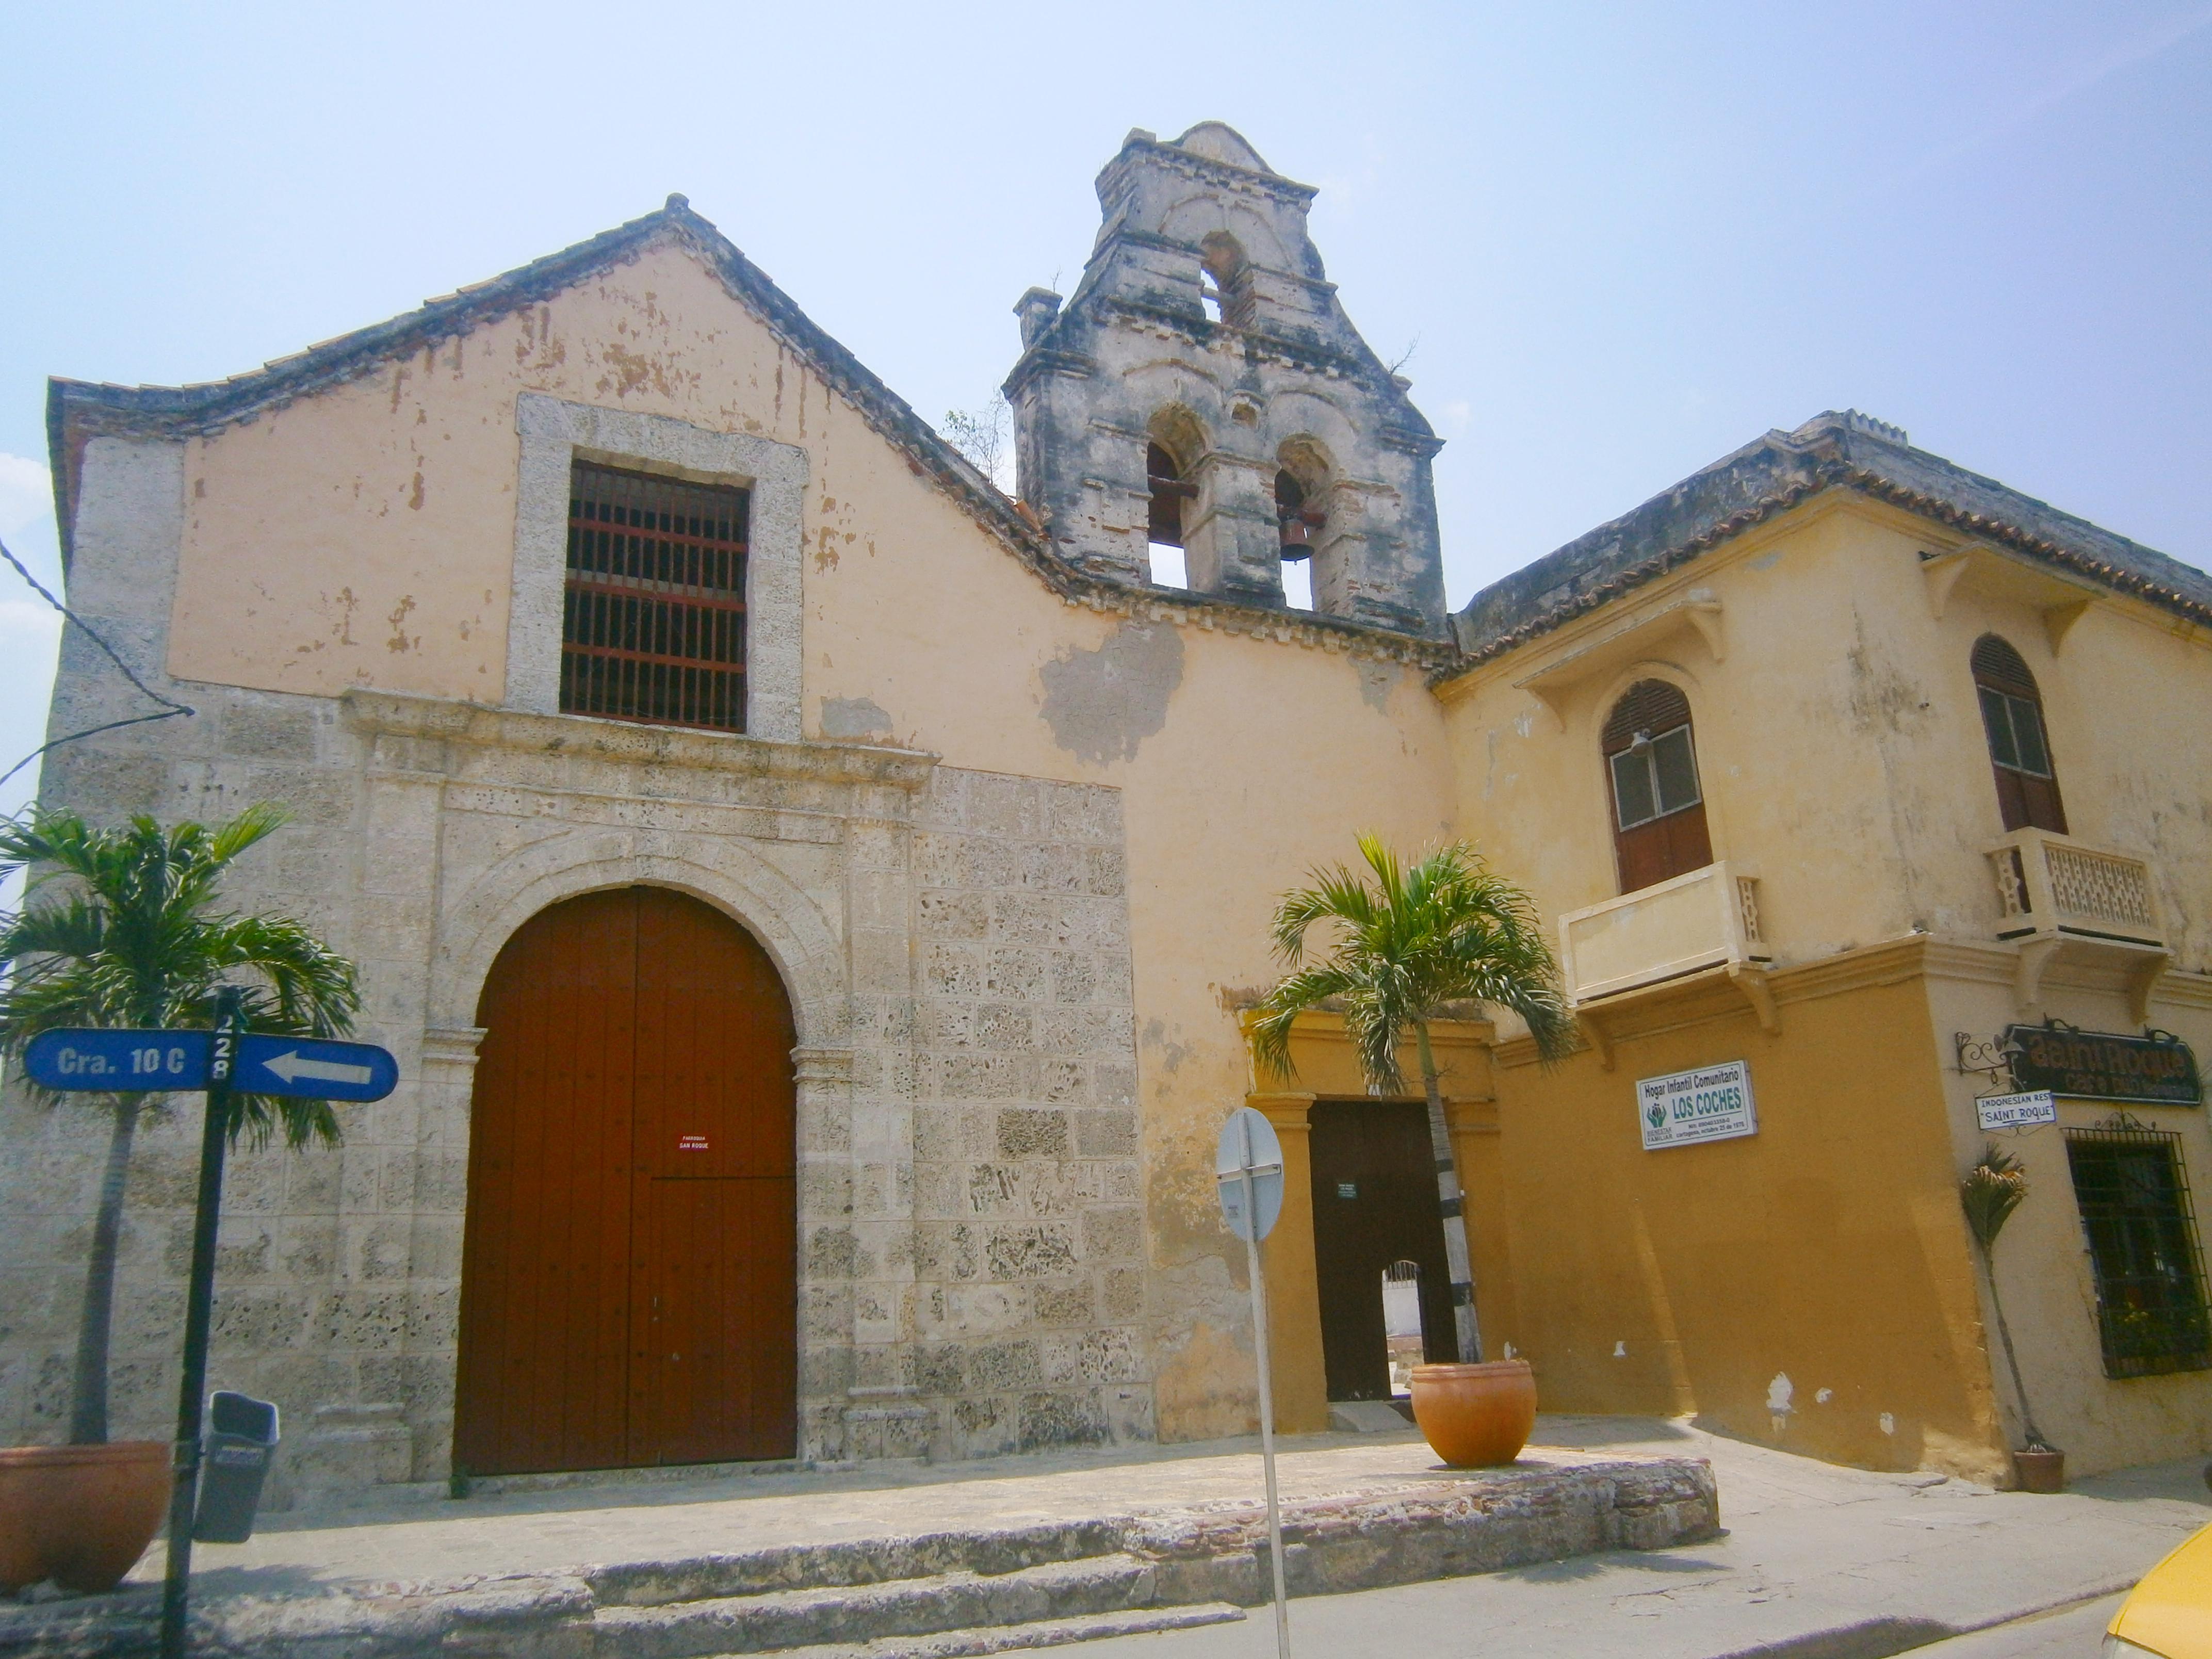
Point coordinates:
[(2134, 1197), (653, 627)]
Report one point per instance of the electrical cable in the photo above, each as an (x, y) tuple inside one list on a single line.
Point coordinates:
[(170, 707)]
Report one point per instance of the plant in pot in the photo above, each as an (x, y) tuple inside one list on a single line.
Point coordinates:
[(1990, 1192), (1409, 942), (119, 928)]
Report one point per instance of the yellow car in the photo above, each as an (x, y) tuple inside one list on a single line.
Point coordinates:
[(2169, 1614)]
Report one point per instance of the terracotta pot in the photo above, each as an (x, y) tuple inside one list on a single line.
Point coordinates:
[(2039, 1471), (1475, 1416), (81, 1515)]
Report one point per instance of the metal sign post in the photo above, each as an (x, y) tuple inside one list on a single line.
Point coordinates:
[(199, 1312), (1248, 1177), (222, 1061)]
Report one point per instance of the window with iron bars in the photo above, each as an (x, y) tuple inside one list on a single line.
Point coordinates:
[(2134, 1196), (653, 623)]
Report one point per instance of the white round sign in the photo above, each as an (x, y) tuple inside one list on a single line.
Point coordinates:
[(1249, 1144)]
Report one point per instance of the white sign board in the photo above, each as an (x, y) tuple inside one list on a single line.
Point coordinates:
[(2015, 1111), (1710, 1104), (1248, 1142)]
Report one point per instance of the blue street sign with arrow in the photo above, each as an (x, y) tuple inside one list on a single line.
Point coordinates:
[(117, 1060), (313, 1069)]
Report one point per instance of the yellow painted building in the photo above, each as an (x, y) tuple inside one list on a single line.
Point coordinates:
[(998, 811)]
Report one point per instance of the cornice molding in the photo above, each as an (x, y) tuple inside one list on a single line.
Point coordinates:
[(619, 743)]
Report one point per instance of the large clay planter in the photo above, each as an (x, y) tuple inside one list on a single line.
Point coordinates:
[(1475, 1416), (81, 1515)]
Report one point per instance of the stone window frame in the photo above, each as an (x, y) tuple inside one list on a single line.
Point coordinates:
[(554, 434)]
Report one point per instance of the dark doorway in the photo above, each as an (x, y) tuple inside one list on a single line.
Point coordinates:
[(1374, 1205), (628, 1276)]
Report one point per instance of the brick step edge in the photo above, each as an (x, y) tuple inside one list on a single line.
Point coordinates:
[(1418, 1530)]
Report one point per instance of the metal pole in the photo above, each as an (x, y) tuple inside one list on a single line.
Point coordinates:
[(200, 1307), (1267, 1400)]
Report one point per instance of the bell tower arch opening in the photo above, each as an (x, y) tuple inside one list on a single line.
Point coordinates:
[(1205, 288)]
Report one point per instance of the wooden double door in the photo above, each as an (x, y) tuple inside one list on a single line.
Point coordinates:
[(1374, 1205), (628, 1278)]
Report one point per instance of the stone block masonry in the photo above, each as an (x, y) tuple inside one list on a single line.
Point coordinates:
[(971, 1256)]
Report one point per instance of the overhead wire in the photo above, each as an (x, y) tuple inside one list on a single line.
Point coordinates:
[(170, 707)]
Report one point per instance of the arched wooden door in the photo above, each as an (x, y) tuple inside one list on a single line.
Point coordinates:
[(629, 1274)]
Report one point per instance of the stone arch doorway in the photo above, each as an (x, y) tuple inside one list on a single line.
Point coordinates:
[(628, 1276)]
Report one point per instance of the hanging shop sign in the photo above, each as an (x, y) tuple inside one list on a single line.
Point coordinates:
[(2155, 1069), (2018, 1111), (1710, 1104)]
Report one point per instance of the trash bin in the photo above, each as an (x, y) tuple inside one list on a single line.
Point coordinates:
[(241, 1436)]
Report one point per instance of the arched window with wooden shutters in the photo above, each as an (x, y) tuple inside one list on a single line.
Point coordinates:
[(1651, 770), (2020, 746)]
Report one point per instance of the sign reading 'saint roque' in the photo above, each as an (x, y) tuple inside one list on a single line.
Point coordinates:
[(2156, 1070)]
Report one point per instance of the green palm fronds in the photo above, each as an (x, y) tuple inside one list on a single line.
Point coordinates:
[(1409, 941), (130, 938)]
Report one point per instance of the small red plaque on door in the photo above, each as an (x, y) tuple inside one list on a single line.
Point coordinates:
[(690, 1143)]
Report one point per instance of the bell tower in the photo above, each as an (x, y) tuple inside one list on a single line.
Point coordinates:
[(1203, 388)]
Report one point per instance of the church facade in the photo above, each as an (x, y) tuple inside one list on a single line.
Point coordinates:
[(814, 895)]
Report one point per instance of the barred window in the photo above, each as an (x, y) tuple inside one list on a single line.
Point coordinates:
[(653, 623), (2134, 1197)]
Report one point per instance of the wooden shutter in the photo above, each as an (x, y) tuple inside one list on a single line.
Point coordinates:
[(2019, 741), (1656, 839)]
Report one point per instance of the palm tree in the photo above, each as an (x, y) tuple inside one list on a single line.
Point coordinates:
[(132, 939), (1410, 943)]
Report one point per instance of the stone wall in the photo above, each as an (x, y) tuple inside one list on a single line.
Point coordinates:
[(956, 946)]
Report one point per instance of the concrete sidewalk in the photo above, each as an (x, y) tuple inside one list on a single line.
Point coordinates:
[(1817, 1559), (1818, 1563)]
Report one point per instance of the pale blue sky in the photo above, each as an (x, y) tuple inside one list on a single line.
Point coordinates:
[(1628, 238)]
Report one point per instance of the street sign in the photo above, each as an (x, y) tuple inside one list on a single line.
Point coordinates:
[(1248, 1142), (122, 1061), (2015, 1111), (118, 1061), (313, 1069)]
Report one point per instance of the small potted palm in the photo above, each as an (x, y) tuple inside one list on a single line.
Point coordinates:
[(120, 928), (1990, 1192), (1408, 942)]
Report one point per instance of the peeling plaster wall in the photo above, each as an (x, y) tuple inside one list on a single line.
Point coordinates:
[(1237, 761), (1843, 762)]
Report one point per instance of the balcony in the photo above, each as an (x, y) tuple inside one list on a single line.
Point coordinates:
[(2063, 899), (1706, 919)]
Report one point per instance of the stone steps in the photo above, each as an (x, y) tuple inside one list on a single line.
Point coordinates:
[(936, 1595), (968, 1603)]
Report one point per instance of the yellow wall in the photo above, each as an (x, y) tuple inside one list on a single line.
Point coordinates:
[(1837, 729), (364, 536), (1827, 1249), (2042, 1262)]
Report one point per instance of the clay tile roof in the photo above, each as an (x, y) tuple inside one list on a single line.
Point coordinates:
[(1835, 450)]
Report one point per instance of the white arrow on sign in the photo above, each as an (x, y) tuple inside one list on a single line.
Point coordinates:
[(289, 1067)]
